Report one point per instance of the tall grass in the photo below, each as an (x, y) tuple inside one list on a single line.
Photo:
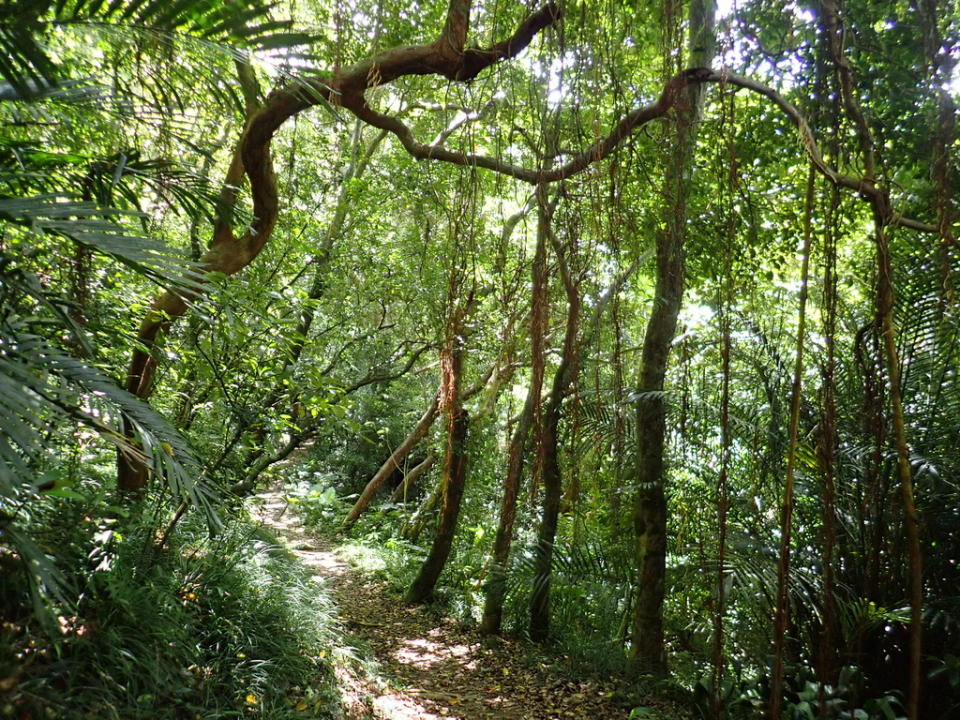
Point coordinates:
[(211, 627)]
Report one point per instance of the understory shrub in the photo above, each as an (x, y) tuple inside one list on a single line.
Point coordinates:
[(221, 626)]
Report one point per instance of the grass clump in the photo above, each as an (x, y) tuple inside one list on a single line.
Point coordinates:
[(222, 626)]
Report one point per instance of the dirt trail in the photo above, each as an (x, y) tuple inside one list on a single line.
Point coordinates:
[(425, 667)]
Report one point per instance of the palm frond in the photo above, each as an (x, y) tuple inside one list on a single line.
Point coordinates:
[(27, 66), (93, 227), (41, 387)]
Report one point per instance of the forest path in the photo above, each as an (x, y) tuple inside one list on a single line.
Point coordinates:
[(424, 667)]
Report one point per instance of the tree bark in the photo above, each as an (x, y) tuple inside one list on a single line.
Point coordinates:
[(563, 379), (647, 652), (826, 459), (495, 588), (454, 472)]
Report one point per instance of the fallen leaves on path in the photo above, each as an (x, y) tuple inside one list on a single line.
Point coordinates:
[(426, 666), (451, 673)]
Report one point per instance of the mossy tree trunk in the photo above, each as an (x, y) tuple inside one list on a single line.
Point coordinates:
[(647, 653)]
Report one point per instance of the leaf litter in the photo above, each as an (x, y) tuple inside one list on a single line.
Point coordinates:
[(413, 663)]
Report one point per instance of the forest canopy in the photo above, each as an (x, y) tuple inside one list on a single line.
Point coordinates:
[(629, 328)]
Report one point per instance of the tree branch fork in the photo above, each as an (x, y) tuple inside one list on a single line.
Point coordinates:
[(448, 57)]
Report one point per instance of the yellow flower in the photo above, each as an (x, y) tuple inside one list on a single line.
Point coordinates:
[(251, 698)]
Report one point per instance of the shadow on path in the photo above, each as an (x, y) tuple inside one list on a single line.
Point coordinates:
[(426, 668)]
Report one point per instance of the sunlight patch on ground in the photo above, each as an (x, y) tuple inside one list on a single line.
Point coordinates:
[(421, 651), (322, 561), (365, 558), (398, 707), (273, 509)]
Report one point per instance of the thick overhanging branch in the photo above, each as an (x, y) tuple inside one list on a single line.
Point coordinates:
[(448, 57), (630, 122), (228, 253)]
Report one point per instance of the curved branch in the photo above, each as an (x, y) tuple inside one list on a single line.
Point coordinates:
[(865, 186)]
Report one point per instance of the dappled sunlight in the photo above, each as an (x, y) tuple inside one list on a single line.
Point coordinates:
[(398, 707), (325, 562), (424, 652), (273, 509), (406, 662)]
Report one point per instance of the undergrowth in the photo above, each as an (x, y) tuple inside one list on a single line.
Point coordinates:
[(226, 626)]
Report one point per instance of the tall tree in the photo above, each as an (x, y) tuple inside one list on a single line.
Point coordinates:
[(564, 377), (650, 505)]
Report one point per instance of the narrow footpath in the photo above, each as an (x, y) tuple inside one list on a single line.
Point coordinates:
[(416, 664)]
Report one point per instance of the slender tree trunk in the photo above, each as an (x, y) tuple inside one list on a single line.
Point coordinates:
[(826, 455), (723, 500), (647, 653), (416, 524), (828, 653), (392, 463), (563, 379), (782, 606), (723, 490), (496, 586), (410, 479), (495, 589), (911, 519), (450, 403), (454, 473), (869, 493)]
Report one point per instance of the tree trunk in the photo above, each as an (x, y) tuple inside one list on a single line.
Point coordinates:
[(495, 589), (455, 460), (563, 379), (782, 607), (410, 479), (826, 459), (496, 586), (454, 478), (392, 463), (647, 653)]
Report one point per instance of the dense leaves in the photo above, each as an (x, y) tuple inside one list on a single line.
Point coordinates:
[(225, 286)]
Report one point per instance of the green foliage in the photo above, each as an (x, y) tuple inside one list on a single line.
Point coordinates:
[(31, 70), (217, 626), (844, 701), (318, 505), (118, 122), (737, 698)]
